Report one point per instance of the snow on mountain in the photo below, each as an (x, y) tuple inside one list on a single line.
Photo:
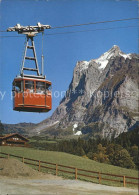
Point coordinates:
[(126, 55), (83, 65), (75, 126), (103, 60), (113, 52), (78, 133)]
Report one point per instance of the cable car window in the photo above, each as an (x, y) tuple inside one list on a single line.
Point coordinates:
[(17, 86), (40, 87), (48, 87), (29, 86)]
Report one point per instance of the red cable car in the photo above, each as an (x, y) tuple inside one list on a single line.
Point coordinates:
[(31, 93)]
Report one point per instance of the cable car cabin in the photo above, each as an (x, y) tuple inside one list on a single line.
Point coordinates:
[(32, 95)]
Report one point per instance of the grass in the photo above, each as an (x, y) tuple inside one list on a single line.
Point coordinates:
[(74, 161)]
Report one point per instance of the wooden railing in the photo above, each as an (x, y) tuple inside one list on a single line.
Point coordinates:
[(77, 173)]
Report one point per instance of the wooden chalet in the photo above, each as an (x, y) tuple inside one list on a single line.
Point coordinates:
[(14, 139)]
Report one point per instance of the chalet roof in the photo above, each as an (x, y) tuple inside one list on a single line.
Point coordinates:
[(11, 135)]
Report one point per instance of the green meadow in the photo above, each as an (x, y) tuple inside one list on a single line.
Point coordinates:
[(62, 158)]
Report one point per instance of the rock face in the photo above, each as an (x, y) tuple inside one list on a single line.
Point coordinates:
[(102, 94)]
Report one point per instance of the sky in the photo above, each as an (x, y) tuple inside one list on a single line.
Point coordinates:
[(61, 51)]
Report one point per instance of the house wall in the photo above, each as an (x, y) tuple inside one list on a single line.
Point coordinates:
[(14, 141)]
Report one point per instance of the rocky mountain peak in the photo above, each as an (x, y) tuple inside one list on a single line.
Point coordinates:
[(90, 99), (115, 49), (103, 60)]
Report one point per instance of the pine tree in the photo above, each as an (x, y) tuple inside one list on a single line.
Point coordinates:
[(1, 128)]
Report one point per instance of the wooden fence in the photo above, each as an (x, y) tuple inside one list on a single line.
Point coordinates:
[(77, 173)]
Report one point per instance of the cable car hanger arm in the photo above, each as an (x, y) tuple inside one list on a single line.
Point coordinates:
[(29, 29)]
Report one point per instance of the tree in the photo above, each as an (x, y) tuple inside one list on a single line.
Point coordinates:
[(90, 155), (101, 156), (110, 152), (134, 154), (123, 159), (80, 151), (1, 128), (101, 149)]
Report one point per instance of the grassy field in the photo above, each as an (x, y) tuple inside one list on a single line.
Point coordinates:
[(71, 160)]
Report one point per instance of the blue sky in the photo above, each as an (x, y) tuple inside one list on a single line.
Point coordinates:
[(61, 51)]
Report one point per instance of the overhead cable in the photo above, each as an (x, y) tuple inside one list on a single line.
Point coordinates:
[(100, 22), (90, 23), (69, 32), (89, 30)]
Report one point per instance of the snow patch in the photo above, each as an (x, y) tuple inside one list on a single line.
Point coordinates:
[(83, 65), (126, 55), (78, 133), (102, 63), (103, 60), (75, 126)]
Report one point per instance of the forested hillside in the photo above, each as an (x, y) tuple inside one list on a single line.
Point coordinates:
[(122, 151)]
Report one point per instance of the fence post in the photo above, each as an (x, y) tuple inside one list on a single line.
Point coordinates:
[(99, 177), (39, 165), (124, 181), (56, 169), (23, 159), (75, 173)]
